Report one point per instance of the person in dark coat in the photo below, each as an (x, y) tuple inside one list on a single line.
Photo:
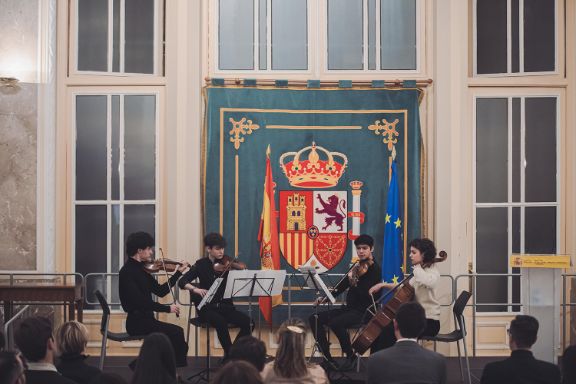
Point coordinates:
[(521, 366), (34, 339), (71, 340)]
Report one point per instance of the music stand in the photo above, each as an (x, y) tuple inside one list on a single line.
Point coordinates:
[(211, 293), (313, 281), (249, 283)]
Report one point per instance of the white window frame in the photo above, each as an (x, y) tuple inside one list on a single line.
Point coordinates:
[(509, 94), (317, 20), (158, 45), (521, 72), (157, 92)]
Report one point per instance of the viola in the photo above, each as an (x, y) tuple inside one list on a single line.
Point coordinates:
[(359, 270), (159, 264), (403, 292), (225, 264)]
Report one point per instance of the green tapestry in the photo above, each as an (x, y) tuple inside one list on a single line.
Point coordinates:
[(330, 153)]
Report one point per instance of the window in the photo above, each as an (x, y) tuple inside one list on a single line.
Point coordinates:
[(305, 36), (516, 188), (115, 172), (117, 36), (515, 36)]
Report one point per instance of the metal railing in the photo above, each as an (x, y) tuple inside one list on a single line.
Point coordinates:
[(564, 305), (8, 328)]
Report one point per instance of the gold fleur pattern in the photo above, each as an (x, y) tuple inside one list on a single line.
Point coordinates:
[(387, 131), (239, 129)]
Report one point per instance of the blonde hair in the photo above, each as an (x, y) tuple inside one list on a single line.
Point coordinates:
[(71, 338), (290, 361)]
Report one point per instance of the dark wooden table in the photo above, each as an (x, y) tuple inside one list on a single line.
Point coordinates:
[(68, 294)]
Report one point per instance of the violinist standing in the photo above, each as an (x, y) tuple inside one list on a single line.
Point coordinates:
[(219, 312), (424, 282), (365, 274), (135, 288)]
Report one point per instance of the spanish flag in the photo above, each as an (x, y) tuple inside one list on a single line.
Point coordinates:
[(268, 238)]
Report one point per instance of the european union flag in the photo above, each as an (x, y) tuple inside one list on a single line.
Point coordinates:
[(392, 252)]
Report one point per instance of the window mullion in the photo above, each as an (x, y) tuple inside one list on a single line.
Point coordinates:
[(509, 36), (268, 35), (522, 170), (378, 50), (122, 34), (365, 47), (110, 34), (521, 36)]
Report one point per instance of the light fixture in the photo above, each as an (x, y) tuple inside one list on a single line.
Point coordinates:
[(9, 82)]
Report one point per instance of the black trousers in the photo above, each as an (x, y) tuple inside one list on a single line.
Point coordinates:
[(339, 320), (387, 338), (138, 325), (220, 316)]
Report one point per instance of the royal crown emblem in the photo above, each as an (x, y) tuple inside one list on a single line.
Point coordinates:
[(313, 172)]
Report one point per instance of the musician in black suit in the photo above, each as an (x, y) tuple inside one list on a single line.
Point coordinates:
[(407, 361), (521, 366)]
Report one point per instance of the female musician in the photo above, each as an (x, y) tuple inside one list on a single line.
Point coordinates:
[(424, 281), (135, 289), (358, 281), (219, 312)]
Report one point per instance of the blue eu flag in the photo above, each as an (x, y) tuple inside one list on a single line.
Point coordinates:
[(392, 252)]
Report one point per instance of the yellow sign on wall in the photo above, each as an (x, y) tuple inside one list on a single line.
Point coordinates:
[(539, 261)]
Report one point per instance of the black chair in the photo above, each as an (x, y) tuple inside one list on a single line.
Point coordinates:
[(459, 333), (106, 334)]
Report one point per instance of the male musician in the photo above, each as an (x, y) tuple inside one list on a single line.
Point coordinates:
[(219, 312), (135, 287), (357, 301)]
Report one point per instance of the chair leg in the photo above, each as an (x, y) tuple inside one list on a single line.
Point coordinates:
[(208, 353), (467, 360), (188, 332), (103, 348), (460, 360)]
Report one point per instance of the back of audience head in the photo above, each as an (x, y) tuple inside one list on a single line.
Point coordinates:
[(71, 338), (237, 371), (156, 362), (34, 339), (108, 378), (410, 320), (250, 349), (569, 365), (523, 332), (11, 368), (290, 361)]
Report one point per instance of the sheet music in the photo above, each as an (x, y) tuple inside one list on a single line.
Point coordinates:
[(211, 293), (268, 282), (324, 288)]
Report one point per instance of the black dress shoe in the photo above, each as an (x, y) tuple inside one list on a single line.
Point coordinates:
[(348, 365)]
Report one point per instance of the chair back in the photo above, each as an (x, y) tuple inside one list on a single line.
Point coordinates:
[(458, 310), (105, 310)]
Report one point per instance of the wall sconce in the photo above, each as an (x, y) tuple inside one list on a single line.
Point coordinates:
[(9, 82)]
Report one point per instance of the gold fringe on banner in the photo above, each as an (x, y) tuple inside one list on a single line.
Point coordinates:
[(323, 83)]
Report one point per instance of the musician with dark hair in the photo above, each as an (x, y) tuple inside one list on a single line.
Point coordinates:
[(365, 274), (424, 282)]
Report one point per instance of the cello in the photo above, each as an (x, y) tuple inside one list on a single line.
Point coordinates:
[(403, 293)]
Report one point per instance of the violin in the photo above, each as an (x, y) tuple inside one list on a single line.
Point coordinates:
[(227, 263), (359, 270), (159, 264), (403, 292)]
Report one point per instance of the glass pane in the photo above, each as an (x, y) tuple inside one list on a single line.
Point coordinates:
[(115, 171), (540, 149), (515, 30), (539, 44), (345, 44), (91, 161), (93, 35), (398, 34), (139, 147), (540, 230), (262, 35), (371, 34), (492, 257), (236, 34), (139, 218), (139, 36), (91, 239), (289, 34), (116, 252), (516, 148), (516, 234), (116, 36), (491, 36), (491, 150)]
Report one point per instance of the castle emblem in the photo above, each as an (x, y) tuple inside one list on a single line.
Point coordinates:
[(316, 171)]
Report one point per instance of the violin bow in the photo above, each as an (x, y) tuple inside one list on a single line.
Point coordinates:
[(167, 278)]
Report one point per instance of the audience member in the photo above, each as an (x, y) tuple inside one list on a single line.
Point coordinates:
[(34, 339), (569, 365), (290, 364), (11, 368), (156, 362), (71, 340), (237, 372), (407, 361), (521, 366), (250, 349), (108, 378)]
